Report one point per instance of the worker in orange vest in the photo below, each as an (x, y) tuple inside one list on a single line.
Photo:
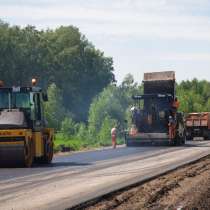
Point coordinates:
[(172, 128), (114, 137), (174, 107), (176, 103), (172, 118)]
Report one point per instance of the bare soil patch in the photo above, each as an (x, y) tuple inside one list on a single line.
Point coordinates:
[(186, 188)]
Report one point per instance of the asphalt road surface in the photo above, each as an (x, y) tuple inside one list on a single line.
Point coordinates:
[(76, 178)]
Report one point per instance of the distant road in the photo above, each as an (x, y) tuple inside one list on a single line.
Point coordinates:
[(82, 176)]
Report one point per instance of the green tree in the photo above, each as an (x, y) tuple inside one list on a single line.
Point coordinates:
[(69, 127), (62, 56), (80, 71), (113, 103), (106, 104), (54, 109), (194, 95)]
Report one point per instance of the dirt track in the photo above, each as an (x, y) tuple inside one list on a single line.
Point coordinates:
[(185, 188)]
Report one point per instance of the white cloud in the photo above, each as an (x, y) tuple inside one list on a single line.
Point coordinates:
[(174, 21), (204, 57), (128, 18), (187, 57)]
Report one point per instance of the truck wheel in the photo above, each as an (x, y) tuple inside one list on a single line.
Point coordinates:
[(189, 138), (132, 143), (206, 134), (206, 138), (128, 143), (180, 140), (177, 142), (184, 140)]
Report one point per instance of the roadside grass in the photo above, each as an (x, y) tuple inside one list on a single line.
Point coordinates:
[(69, 142), (74, 143)]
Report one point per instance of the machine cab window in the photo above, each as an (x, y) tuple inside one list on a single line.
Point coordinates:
[(4, 100), (38, 108), (21, 100)]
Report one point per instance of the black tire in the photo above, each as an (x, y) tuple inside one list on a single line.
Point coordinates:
[(184, 139), (188, 134), (48, 153), (133, 143), (129, 143), (28, 154), (177, 142), (188, 138)]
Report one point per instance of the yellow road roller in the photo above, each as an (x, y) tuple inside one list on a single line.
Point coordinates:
[(24, 135)]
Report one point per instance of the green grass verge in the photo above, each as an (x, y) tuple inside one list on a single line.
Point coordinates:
[(76, 144)]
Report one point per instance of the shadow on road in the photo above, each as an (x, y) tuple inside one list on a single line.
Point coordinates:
[(167, 145), (61, 164)]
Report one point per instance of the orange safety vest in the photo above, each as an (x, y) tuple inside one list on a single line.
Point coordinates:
[(114, 137), (176, 104)]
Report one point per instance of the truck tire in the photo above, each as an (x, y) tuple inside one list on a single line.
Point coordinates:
[(177, 142), (206, 134), (189, 135), (206, 138), (129, 143)]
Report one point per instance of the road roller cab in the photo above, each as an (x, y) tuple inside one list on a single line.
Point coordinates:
[(24, 136)]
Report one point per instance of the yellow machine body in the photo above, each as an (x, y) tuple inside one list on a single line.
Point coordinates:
[(24, 137), (11, 139)]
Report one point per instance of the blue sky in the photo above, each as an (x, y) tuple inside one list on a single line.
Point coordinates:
[(140, 35)]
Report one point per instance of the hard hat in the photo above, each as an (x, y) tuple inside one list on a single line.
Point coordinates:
[(33, 81)]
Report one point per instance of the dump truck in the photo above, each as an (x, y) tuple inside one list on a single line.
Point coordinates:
[(24, 135), (152, 113), (197, 125)]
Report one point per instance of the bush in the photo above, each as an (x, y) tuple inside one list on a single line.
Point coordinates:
[(69, 127), (61, 139)]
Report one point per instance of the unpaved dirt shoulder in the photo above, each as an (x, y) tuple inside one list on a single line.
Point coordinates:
[(185, 188)]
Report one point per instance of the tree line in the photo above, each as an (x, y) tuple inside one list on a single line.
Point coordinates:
[(84, 100), (63, 57)]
